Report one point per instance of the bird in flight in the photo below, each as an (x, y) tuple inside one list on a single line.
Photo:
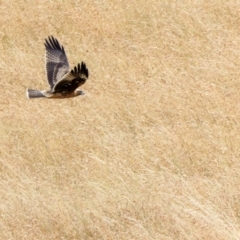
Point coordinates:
[(63, 80)]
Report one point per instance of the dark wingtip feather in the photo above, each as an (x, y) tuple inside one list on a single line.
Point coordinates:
[(53, 43), (80, 69), (84, 69)]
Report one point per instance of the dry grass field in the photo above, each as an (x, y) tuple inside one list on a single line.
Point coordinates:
[(152, 151)]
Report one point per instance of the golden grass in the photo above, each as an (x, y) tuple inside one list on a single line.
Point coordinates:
[(151, 151)]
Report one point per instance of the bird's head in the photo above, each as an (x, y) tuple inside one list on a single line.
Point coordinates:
[(79, 92)]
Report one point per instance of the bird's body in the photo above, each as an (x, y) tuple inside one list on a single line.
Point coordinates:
[(31, 93), (62, 80)]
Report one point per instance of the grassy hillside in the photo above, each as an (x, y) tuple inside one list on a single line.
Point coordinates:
[(151, 151)]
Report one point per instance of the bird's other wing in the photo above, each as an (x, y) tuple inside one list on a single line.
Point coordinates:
[(72, 80), (56, 61)]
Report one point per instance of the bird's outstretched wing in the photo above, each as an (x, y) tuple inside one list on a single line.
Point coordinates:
[(72, 80), (56, 61)]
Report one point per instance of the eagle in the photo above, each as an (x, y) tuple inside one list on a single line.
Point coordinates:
[(63, 80)]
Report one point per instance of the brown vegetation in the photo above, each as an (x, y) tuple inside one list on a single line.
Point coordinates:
[(151, 151)]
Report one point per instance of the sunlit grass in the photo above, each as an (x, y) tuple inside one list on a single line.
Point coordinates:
[(151, 151)]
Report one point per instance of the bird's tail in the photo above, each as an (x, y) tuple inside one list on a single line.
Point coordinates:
[(34, 93)]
